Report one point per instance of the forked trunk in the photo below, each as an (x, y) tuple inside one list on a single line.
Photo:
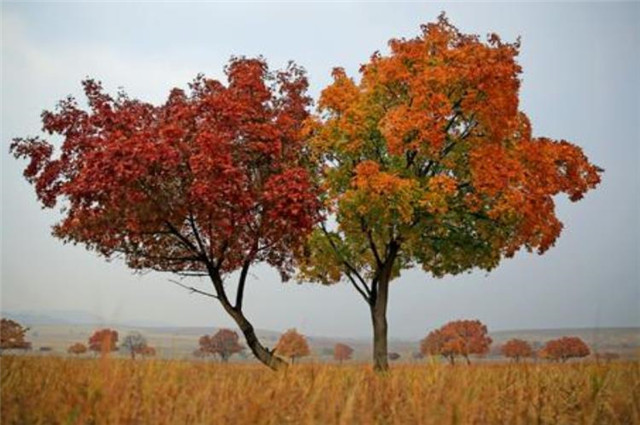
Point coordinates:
[(264, 355)]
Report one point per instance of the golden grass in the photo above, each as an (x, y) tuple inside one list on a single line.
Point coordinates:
[(51, 390)]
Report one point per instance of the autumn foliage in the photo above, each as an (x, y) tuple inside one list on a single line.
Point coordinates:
[(77, 349), (565, 348), (427, 160), (103, 341), (212, 181), (292, 345), (516, 349), (12, 335), (342, 352), (223, 343), (457, 338)]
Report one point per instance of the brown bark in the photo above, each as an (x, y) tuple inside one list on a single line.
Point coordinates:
[(262, 353), (380, 349), (378, 306)]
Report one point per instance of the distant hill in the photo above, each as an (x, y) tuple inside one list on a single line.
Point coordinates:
[(54, 317), (71, 317)]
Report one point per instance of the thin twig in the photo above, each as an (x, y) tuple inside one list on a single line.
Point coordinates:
[(194, 290)]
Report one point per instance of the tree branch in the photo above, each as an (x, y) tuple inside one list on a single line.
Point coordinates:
[(343, 260), (194, 290), (372, 245), (366, 297), (196, 234), (185, 241), (241, 282)]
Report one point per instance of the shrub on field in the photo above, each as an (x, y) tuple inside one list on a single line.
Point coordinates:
[(147, 351), (77, 349), (394, 356)]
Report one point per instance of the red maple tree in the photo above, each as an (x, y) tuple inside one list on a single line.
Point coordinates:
[(208, 183), (565, 348), (104, 341), (457, 338), (223, 343), (342, 352), (516, 349), (12, 335), (77, 349)]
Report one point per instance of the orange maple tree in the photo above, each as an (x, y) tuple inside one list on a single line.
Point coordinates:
[(516, 349), (342, 352), (427, 160), (211, 182), (565, 348), (103, 341), (12, 336), (457, 338), (292, 345), (77, 349)]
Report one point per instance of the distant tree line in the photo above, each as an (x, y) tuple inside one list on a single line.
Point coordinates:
[(459, 338)]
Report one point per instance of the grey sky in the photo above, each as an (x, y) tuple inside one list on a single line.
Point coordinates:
[(581, 82)]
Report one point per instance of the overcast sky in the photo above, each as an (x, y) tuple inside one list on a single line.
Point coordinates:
[(581, 82)]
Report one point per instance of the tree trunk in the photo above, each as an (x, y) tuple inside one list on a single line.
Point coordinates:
[(262, 353), (466, 357), (378, 306), (379, 320)]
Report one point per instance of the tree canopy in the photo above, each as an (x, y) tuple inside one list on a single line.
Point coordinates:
[(292, 345), (427, 160), (457, 338), (13, 335), (210, 182)]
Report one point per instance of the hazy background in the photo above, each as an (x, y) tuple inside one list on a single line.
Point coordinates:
[(581, 82)]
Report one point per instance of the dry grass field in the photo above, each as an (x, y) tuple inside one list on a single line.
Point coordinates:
[(57, 390)]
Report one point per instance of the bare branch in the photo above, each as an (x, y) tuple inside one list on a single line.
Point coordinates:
[(342, 259), (366, 297), (194, 290)]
